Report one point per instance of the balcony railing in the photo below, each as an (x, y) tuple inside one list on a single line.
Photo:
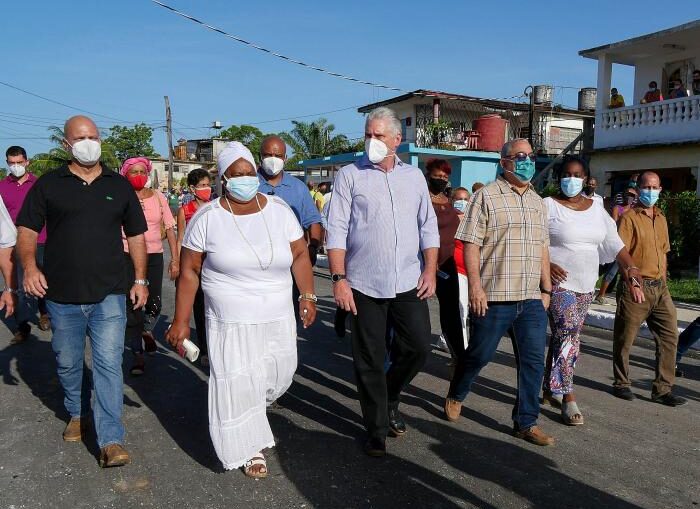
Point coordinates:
[(672, 121)]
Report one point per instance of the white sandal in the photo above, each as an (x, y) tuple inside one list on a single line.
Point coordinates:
[(570, 414), (258, 459)]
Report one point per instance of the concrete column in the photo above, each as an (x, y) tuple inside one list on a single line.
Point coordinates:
[(604, 78)]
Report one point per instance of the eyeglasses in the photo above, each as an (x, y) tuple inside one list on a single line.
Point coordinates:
[(521, 157)]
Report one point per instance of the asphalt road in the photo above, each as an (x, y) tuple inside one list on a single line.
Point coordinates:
[(628, 454)]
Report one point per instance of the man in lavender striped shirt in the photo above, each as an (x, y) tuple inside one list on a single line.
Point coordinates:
[(382, 247)]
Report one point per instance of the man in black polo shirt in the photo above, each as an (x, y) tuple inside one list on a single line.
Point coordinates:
[(84, 207)]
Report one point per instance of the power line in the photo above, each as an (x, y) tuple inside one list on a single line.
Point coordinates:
[(274, 53)]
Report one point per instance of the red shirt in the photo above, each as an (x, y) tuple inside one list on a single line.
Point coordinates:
[(13, 194)]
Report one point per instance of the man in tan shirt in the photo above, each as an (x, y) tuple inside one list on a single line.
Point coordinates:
[(644, 231), (506, 253)]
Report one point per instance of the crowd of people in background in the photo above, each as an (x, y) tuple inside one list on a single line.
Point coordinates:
[(84, 244), (654, 94)]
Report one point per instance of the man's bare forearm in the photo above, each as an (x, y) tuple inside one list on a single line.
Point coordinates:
[(315, 235), (139, 256), (26, 247), (6, 267), (430, 256), (546, 274), (472, 262)]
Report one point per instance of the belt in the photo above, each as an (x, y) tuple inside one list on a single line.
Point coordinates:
[(653, 283)]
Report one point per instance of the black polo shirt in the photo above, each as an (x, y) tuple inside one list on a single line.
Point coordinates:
[(84, 254)]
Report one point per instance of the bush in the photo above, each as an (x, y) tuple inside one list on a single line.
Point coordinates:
[(682, 211)]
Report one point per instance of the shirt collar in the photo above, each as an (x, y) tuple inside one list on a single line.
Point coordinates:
[(64, 171), (30, 178), (507, 187), (284, 182), (364, 162), (640, 210)]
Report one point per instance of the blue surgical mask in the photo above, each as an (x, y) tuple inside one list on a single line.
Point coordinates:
[(571, 186), (243, 188), (524, 170), (649, 197), (460, 205)]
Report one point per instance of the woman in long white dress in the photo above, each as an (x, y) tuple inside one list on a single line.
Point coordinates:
[(243, 246)]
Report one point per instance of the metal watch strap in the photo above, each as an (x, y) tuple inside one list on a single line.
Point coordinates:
[(310, 297), (142, 282)]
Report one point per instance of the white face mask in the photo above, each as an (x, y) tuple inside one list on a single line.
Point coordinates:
[(17, 170), (376, 150), (272, 165), (87, 152)]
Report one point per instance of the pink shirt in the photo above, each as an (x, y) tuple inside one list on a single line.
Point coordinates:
[(13, 194), (155, 212)]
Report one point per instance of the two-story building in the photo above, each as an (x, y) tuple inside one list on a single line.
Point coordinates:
[(663, 136)]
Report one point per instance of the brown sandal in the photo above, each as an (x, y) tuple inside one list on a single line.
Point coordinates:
[(256, 460)]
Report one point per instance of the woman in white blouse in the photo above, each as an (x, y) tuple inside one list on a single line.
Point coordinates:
[(243, 246), (582, 236)]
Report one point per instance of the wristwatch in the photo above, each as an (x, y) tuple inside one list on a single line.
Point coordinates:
[(309, 297), (337, 277), (8, 289), (142, 282), (546, 292)]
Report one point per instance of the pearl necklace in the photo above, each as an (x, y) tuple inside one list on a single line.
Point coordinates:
[(269, 237)]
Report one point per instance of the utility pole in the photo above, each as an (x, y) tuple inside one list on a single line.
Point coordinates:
[(169, 132), (531, 115)]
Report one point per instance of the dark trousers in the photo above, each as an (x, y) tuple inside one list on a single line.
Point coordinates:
[(379, 390), (199, 321), (526, 322), (447, 292), (660, 314), (136, 318), (688, 338), (26, 309)]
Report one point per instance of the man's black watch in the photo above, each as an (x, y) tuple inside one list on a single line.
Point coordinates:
[(337, 277)]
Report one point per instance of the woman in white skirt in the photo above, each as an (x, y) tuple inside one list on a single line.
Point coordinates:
[(243, 246)]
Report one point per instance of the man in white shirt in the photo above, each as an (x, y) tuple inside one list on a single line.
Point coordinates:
[(8, 238), (589, 191)]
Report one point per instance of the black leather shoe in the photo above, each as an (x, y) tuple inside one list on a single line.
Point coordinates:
[(669, 399), (624, 393), (339, 322), (375, 447), (396, 422)]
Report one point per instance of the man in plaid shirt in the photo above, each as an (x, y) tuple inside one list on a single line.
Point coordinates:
[(506, 254)]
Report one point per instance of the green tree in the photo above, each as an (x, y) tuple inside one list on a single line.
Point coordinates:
[(58, 156), (131, 141), (310, 140), (250, 136)]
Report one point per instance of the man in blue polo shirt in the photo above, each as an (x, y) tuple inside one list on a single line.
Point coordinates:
[(274, 181)]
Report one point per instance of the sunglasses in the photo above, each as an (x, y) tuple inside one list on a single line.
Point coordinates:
[(521, 157)]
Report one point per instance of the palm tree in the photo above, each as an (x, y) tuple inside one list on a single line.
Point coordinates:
[(58, 156), (310, 140)]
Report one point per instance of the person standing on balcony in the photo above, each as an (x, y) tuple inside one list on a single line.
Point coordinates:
[(383, 246), (506, 254), (678, 90), (616, 99), (645, 233), (653, 94), (696, 82)]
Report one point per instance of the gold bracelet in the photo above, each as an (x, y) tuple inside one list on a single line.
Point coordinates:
[(309, 297)]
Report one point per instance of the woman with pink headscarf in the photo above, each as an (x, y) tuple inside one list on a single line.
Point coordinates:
[(159, 218)]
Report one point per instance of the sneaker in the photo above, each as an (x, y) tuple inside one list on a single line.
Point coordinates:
[(534, 435), (441, 344), (669, 399)]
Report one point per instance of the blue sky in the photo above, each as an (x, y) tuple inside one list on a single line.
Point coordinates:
[(120, 58)]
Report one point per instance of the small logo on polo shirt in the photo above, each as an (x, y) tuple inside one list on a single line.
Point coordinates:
[(109, 197)]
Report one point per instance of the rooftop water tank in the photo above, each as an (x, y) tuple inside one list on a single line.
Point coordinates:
[(543, 94), (587, 98), (492, 132)]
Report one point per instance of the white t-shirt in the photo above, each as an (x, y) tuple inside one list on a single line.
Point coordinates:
[(8, 232), (579, 241), (235, 288)]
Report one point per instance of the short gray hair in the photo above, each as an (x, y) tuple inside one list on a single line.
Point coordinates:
[(505, 149), (384, 113)]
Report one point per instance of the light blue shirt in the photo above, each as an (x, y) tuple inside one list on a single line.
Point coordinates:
[(295, 193), (383, 221)]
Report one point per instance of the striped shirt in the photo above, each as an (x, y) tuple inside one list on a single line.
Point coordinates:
[(511, 230), (383, 221)]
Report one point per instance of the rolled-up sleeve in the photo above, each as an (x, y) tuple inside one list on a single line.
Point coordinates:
[(472, 228), (339, 213), (427, 222), (309, 213)]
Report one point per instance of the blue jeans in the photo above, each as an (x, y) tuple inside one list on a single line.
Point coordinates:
[(104, 324), (527, 320)]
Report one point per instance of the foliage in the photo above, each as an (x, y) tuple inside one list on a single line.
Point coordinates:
[(249, 135), (58, 156), (131, 141), (310, 140), (682, 211), (685, 290), (436, 131), (549, 190), (358, 146)]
